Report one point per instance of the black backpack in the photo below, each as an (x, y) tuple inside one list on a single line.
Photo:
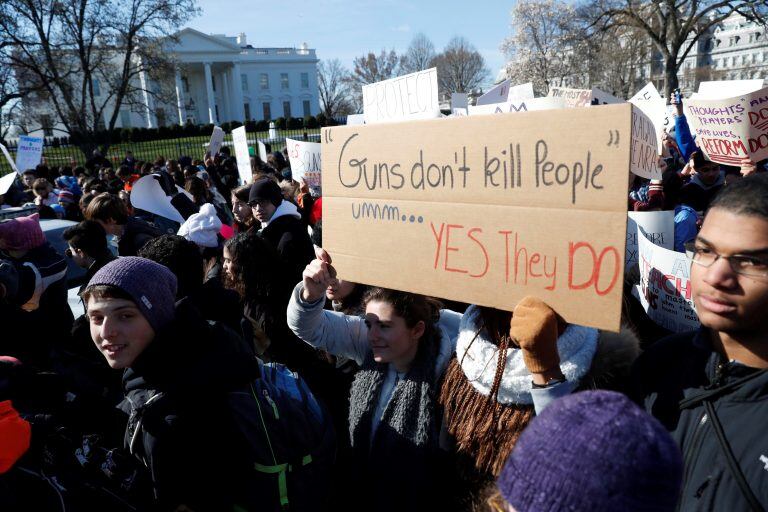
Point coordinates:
[(290, 441)]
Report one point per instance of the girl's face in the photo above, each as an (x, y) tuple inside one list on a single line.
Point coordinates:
[(228, 265), (241, 211), (391, 340)]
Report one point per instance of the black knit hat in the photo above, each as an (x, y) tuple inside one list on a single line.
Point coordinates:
[(265, 189)]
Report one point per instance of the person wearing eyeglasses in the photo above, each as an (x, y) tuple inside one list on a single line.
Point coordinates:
[(710, 387)]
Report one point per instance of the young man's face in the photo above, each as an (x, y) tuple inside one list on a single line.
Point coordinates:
[(119, 330), (28, 180), (263, 209), (726, 301)]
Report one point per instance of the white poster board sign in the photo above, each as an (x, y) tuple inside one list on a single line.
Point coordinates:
[(305, 161), (240, 141), (412, 96), (459, 100), (583, 97), (148, 195), (355, 119), (262, 151), (518, 105), (729, 130), (665, 287), (658, 227), (504, 92), (6, 182), (217, 138), (653, 105), (728, 88), (9, 158), (645, 146), (600, 97), (29, 152)]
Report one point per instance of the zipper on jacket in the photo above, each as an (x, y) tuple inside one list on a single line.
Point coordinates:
[(139, 412), (272, 403), (692, 452)]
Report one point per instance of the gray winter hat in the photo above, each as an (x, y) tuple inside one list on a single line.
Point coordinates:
[(152, 286)]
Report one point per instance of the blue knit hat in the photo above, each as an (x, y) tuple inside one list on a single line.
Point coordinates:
[(593, 451), (152, 286)]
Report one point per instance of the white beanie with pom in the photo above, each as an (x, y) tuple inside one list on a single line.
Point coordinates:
[(202, 227)]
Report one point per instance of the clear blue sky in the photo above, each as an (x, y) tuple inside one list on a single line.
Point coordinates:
[(344, 29)]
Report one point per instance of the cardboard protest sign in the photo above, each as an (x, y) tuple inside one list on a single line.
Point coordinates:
[(665, 287), (305, 161), (645, 146), (148, 195), (217, 138), (730, 129), (10, 160), (412, 96), (6, 182), (29, 152), (240, 141), (658, 227), (262, 151), (459, 100), (728, 88), (653, 105), (518, 105), (485, 210)]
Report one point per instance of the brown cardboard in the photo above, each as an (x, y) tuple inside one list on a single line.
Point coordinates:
[(485, 236)]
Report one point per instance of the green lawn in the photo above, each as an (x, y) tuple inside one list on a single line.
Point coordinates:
[(194, 147)]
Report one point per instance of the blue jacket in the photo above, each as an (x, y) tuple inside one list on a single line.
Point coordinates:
[(686, 227), (683, 137)]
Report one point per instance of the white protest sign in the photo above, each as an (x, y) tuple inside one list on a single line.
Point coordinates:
[(665, 287), (653, 105), (459, 112), (583, 97), (729, 130), (645, 147), (412, 96), (521, 92), (10, 160), (29, 152), (459, 100), (148, 195), (305, 161), (498, 93), (6, 182), (355, 119), (240, 141), (518, 105), (217, 138), (727, 88), (658, 227), (262, 151), (600, 97)]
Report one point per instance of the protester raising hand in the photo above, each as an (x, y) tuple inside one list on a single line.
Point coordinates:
[(535, 327), (317, 276)]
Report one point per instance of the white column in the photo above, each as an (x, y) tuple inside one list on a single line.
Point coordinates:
[(225, 109), (180, 99), (238, 111), (209, 94), (147, 98)]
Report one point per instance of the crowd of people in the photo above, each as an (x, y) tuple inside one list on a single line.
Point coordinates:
[(222, 363)]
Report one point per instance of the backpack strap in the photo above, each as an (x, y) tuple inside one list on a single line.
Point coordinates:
[(733, 465), (717, 392), (282, 479)]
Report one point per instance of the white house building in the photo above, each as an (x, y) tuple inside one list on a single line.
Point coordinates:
[(218, 79)]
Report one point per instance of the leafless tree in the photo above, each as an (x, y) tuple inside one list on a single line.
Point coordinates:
[(673, 26), (334, 88), (419, 56), (368, 69), (89, 58), (460, 67)]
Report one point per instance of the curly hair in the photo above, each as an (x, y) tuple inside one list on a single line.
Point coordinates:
[(256, 265), (181, 256)]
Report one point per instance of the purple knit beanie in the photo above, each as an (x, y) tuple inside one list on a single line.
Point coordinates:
[(593, 451), (151, 285)]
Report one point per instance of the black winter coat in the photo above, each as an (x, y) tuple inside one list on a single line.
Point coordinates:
[(137, 233), (179, 425), (684, 366), (288, 235)]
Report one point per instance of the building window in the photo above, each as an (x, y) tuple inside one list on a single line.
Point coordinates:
[(264, 81), (96, 87), (284, 81), (185, 84), (213, 82), (307, 110), (244, 82), (286, 109), (125, 119), (305, 80), (267, 111), (247, 109), (46, 125)]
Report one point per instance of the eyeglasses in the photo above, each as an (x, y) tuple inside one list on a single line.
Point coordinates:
[(68, 253), (741, 264)]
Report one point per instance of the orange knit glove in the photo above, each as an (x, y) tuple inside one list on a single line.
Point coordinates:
[(534, 326)]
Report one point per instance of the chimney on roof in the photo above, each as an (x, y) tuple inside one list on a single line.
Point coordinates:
[(241, 40)]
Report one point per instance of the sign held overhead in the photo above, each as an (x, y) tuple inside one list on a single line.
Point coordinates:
[(412, 96)]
